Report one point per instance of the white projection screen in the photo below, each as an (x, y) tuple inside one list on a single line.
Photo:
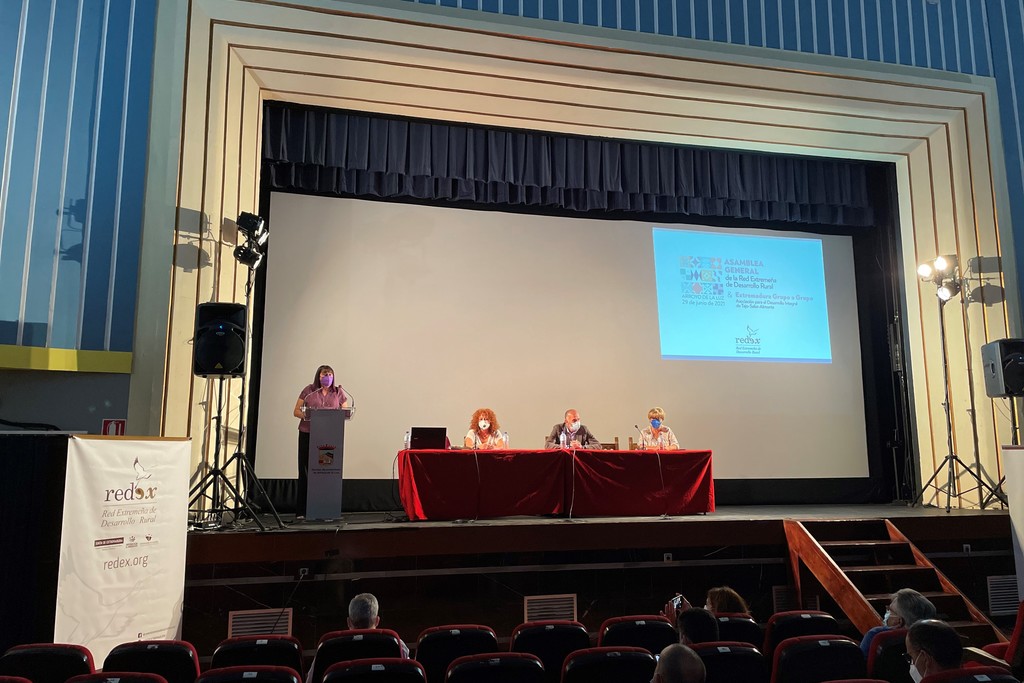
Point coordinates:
[(428, 313)]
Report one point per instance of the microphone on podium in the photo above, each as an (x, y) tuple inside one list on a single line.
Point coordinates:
[(641, 444)]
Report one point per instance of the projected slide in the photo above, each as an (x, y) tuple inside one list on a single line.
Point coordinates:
[(741, 297)]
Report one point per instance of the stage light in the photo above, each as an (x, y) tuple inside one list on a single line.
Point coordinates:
[(945, 264), (248, 255), (250, 225), (947, 290), (925, 271)]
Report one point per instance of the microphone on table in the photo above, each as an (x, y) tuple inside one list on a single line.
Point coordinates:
[(641, 444)]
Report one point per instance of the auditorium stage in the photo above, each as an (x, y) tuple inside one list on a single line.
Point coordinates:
[(387, 534)]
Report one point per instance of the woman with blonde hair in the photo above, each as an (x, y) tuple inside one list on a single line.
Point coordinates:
[(484, 431), (657, 436)]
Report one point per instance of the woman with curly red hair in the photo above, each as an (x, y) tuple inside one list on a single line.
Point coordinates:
[(484, 431)]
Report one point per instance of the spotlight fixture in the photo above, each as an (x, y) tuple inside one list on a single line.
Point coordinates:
[(250, 225), (254, 228), (942, 272), (248, 255), (948, 290)]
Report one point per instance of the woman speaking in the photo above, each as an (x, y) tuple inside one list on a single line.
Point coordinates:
[(322, 394)]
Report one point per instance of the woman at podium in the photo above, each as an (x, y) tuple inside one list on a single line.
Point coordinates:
[(322, 394), (484, 431)]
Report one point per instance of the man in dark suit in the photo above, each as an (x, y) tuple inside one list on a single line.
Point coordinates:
[(576, 435)]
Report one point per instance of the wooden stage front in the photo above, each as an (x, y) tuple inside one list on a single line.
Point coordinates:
[(431, 573)]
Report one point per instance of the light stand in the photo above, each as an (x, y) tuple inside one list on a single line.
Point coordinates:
[(244, 476), (942, 271)]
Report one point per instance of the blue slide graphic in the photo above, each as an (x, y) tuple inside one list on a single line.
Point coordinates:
[(741, 297)]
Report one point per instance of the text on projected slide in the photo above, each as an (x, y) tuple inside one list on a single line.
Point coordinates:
[(741, 297)]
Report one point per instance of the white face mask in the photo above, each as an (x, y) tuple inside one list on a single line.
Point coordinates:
[(885, 619), (483, 424), (914, 672), (574, 426)]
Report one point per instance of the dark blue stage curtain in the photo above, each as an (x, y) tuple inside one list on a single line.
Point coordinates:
[(333, 152)]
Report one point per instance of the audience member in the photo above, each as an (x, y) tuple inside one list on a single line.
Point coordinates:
[(906, 608), (719, 600), (724, 600), (932, 646), (696, 625), (679, 664), (575, 435), (364, 612)]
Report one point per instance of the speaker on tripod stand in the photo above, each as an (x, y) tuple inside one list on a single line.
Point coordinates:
[(219, 352)]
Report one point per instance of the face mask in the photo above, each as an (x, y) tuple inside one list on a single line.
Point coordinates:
[(915, 674), (885, 619), (483, 424), (327, 380), (574, 425), (656, 423)]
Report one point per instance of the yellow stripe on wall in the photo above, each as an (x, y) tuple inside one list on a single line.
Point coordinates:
[(72, 360)]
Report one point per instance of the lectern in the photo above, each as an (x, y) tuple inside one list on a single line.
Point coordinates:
[(326, 457)]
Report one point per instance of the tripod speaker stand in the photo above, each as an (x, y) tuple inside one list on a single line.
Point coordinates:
[(951, 460), (218, 350)]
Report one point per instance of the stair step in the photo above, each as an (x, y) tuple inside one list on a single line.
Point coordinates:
[(975, 633), (847, 529), (888, 568), (861, 543)]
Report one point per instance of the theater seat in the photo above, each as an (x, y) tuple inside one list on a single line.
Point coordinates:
[(251, 674), (817, 658), (376, 670), (974, 674), (652, 632), (1012, 652), (118, 677), (496, 667), (738, 627), (14, 679), (360, 643), (609, 665), (732, 662), (887, 656), (551, 641), (268, 650), (783, 625), (439, 646), (47, 662), (175, 660)]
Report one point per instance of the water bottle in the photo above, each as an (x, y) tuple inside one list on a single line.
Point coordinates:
[(561, 440), (407, 438)]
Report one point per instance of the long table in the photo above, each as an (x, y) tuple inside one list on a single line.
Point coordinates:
[(466, 484)]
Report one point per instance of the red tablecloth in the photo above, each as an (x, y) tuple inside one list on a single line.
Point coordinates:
[(442, 484)]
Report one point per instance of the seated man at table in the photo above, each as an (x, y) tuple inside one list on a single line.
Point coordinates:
[(576, 435)]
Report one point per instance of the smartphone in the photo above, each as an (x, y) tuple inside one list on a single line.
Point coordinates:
[(676, 601)]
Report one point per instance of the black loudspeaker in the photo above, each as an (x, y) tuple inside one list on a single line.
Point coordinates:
[(218, 346), (1003, 364)]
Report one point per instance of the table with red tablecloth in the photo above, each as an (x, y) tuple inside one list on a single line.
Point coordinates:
[(467, 484)]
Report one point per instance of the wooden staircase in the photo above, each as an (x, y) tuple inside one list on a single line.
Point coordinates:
[(861, 563)]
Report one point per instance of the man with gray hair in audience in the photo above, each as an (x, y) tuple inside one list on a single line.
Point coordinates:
[(679, 664), (906, 608), (364, 612)]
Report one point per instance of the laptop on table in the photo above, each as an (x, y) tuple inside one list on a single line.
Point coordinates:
[(433, 438)]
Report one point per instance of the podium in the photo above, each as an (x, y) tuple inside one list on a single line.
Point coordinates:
[(326, 457)]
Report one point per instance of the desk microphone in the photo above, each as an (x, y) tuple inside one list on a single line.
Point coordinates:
[(641, 444)]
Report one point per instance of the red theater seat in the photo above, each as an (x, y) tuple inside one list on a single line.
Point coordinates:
[(732, 662), (887, 656), (652, 632), (47, 662), (269, 650), (551, 641), (118, 677), (742, 628), (609, 665), (975, 674), (439, 646), (377, 670), (496, 667), (360, 643), (175, 660), (251, 674), (783, 625), (817, 658)]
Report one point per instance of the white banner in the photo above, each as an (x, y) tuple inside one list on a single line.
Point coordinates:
[(122, 547)]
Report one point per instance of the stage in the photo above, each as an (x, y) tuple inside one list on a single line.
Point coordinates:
[(465, 571)]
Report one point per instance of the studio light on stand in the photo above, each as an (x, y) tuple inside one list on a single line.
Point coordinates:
[(250, 254), (944, 273)]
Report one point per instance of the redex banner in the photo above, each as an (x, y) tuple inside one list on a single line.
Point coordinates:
[(122, 548)]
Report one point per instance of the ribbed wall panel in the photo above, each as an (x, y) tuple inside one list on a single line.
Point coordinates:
[(75, 81)]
